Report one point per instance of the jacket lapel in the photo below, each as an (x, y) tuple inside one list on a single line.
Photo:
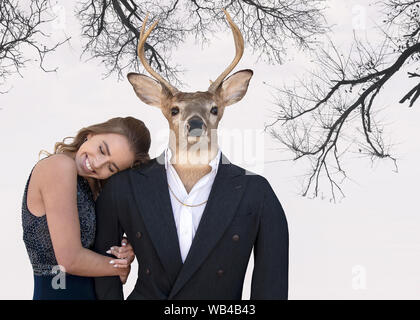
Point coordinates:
[(152, 197), (223, 201)]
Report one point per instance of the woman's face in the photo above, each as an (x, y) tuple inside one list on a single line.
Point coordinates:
[(102, 155)]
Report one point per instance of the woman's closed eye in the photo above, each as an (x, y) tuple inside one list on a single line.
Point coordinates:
[(101, 149)]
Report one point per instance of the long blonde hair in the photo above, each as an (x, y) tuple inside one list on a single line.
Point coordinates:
[(133, 129)]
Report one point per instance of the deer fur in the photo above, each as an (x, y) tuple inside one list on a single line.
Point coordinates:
[(192, 149)]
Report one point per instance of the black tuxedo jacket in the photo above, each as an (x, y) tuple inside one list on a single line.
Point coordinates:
[(242, 213)]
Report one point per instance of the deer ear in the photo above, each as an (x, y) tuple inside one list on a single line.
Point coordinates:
[(147, 89), (233, 88)]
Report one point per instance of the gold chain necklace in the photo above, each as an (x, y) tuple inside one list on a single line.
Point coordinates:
[(184, 204)]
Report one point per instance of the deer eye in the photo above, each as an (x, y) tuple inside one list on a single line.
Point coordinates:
[(174, 111), (213, 110)]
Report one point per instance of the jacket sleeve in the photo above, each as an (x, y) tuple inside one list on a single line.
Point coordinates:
[(271, 251), (108, 233)]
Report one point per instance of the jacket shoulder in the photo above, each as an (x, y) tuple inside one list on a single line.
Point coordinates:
[(146, 167), (121, 178), (251, 176), (253, 180)]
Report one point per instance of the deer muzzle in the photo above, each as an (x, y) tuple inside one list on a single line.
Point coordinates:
[(195, 126)]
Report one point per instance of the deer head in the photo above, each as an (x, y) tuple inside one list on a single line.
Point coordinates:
[(193, 117)]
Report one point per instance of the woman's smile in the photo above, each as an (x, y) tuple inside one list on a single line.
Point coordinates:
[(87, 166)]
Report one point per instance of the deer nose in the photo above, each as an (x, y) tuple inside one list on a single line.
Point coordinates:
[(195, 126)]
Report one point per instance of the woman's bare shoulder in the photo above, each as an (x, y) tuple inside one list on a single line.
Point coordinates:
[(56, 167)]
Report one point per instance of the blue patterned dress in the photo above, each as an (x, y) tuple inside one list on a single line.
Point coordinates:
[(50, 282)]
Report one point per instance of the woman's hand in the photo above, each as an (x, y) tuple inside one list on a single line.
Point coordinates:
[(124, 274), (125, 255)]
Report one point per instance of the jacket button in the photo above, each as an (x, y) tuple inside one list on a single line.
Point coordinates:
[(138, 235), (147, 271), (220, 272), (235, 237)]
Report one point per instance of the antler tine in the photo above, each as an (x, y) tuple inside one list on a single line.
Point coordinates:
[(239, 46), (140, 52)]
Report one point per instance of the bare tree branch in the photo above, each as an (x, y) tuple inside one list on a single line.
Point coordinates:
[(111, 29), (319, 117), (19, 28)]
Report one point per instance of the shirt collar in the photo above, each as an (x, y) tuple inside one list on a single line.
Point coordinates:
[(214, 163)]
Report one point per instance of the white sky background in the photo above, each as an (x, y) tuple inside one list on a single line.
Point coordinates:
[(375, 226)]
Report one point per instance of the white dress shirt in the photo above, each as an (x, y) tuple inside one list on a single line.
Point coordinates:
[(187, 218)]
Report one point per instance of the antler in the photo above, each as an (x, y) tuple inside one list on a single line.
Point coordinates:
[(239, 45), (140, 52)]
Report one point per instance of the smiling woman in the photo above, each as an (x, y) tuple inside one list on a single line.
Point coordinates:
[(58, 209), (94, 157), (92, 147)]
